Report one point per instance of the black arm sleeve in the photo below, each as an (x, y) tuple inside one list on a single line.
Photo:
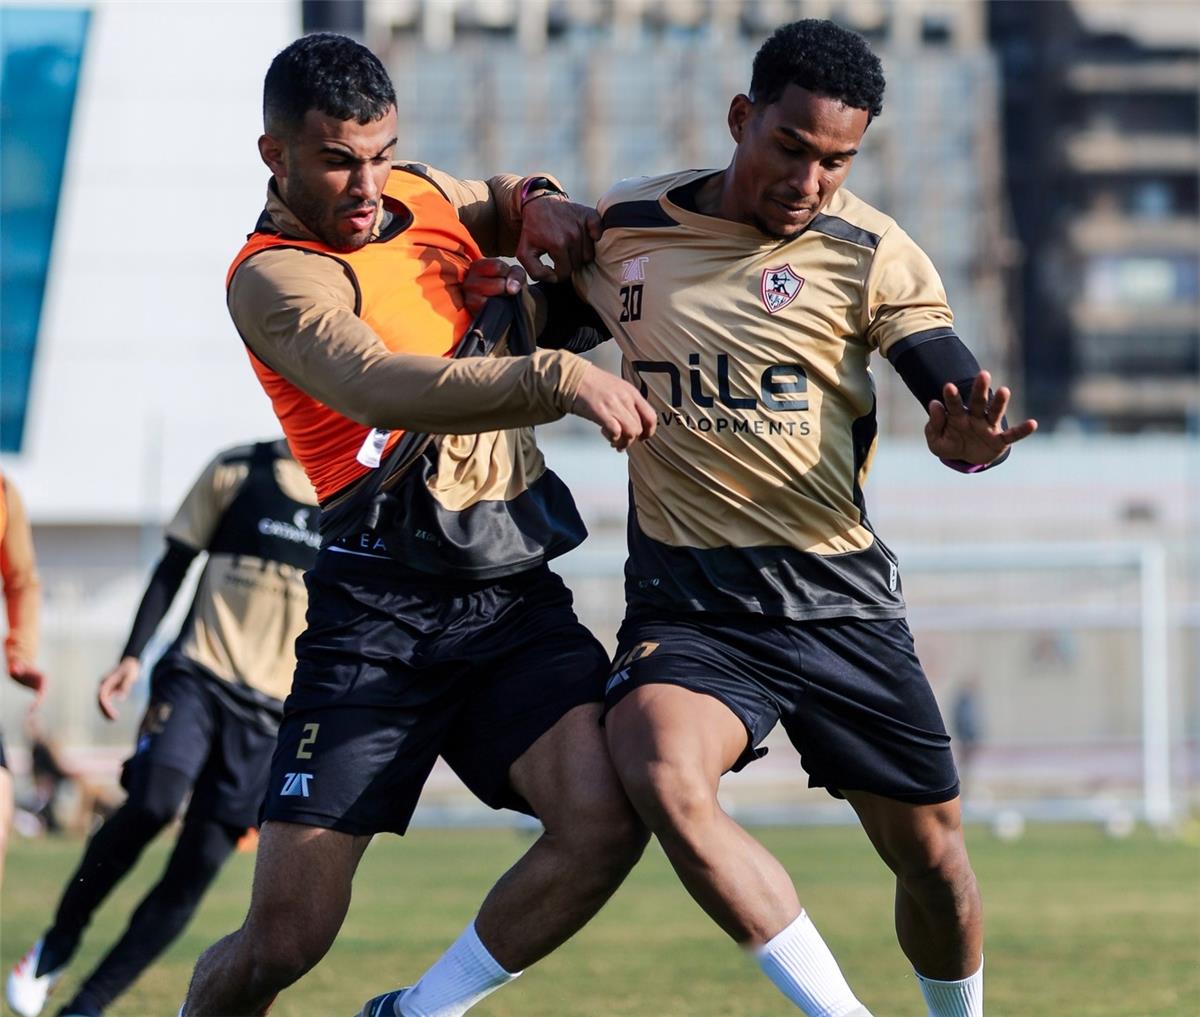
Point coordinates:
[(571, 323), (156, 601), (926, 361)]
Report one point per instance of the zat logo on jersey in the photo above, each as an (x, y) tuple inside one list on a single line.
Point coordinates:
[(779, 287)]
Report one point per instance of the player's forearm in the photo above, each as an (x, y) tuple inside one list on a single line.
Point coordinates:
[(23, 604), (443, 396), (927, 362), (160, 593), (490, 209)]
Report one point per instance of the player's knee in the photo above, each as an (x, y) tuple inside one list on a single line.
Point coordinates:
[(936, 864), (279, 953), (671, 797), (604, 832), (146, 817)]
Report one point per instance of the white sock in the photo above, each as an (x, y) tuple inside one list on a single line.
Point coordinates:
[(459, 979), (803, 969), (954, 999)]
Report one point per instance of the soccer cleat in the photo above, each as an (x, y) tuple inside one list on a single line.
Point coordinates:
[(25, 989), (383, 1006)]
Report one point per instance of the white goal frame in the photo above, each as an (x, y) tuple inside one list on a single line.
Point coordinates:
[(1159, 804)]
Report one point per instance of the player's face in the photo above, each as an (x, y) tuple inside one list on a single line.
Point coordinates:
[(792, 155), (331, 174)]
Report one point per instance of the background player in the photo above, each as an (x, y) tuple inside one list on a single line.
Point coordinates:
[(215, 701), (747, 302), (439, 629), (22, 601)]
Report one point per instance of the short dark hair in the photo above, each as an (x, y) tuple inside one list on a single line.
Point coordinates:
[(822, 57), (329, 73)]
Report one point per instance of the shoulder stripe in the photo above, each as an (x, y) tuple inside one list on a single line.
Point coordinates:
[(916, 339), (638, 215), (832, 226)]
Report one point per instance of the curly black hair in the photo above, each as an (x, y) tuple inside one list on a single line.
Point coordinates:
[(822, 57), (326, 72)]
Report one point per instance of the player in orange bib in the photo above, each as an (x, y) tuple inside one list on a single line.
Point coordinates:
[(435, 625)]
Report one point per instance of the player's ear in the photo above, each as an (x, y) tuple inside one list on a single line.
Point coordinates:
[(271, 151), (740, 111)]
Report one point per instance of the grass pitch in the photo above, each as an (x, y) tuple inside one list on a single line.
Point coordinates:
[(1079, 925)]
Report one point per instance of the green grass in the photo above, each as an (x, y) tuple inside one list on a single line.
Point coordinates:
[(1079, 925)]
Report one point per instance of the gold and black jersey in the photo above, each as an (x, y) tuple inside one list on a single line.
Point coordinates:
[(754, 353), (255, 513)]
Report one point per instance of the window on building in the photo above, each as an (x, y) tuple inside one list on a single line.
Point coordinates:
[(1125, 279)]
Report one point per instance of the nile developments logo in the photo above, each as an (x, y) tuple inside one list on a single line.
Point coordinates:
[(779, 287)]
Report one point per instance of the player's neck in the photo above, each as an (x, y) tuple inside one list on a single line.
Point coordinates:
[(710, 196)]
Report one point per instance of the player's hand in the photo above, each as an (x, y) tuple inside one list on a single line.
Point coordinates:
[(491, 277), (553, 224), (116, 686), (620, 409), (33, 678), (973, 433)]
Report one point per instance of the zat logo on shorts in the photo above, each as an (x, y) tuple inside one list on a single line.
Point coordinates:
[(295, 785), (779, 287)]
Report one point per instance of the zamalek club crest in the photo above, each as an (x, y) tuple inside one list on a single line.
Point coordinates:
[(779, 287)]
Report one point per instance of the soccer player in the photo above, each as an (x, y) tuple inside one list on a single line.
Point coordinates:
[(22, 599), (436, 627), (747, 302), (215, 701)]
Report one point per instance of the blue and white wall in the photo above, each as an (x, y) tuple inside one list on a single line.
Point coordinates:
[(136, 374)]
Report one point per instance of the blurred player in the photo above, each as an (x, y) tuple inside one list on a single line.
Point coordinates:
[(215, 701), (439, 629), (747, 302), (22, 600)]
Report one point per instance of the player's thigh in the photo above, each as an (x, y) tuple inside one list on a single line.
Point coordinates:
[(174, 744), (567, 778), (231, 787), (301, 890), (177, 729), (862, 715), (686, 696), (528, 729), (357, 770), (670, 745), (367, 712)]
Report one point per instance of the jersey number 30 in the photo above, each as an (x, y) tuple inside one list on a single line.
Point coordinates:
[(631, 303)]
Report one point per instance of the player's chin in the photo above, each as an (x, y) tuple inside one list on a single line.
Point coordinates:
[(783, 229), (348, 242)]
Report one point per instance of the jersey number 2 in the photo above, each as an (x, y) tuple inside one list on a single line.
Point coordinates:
[(304, 749)]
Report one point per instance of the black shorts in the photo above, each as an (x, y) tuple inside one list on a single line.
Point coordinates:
[(188, 727), (851, 694), (394, 671)]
